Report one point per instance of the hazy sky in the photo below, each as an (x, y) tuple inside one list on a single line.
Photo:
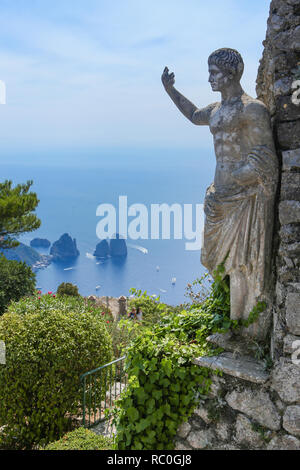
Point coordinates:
[(86, 73)]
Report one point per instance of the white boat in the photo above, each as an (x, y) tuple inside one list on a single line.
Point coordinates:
[(174, 281), (163, 291), (98, 287), (157, 268), (69, 269)]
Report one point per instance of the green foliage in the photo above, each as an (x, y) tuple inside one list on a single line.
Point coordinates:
[(17, 206), (16, 281), (164, 384), (151, 307), (161, 393), (81, 439), (66, 288), (50, 343)]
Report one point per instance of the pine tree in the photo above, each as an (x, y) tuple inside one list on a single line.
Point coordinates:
[(17, 206)]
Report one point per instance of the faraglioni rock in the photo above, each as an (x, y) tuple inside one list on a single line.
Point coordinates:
[(40, 243), (102, 249), (64, 249), (118, 246)]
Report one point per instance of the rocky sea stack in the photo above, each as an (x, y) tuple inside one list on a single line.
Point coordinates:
[(102, 249), (116, 247), (64, 249)]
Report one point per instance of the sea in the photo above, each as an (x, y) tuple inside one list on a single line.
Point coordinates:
[(72, 184)]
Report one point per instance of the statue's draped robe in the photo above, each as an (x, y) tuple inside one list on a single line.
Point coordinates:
[(239, 221)]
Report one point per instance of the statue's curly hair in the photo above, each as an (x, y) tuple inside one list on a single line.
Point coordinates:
[(229, 60)]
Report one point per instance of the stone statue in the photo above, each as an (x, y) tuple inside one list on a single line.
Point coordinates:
[(239, 205)]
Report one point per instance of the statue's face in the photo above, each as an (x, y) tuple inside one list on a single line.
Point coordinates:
[(217, 78)]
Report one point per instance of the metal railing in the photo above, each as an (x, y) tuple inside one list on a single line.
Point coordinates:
[(101, 387)]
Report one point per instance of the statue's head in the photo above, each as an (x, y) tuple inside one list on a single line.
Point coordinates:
[(225, 65)]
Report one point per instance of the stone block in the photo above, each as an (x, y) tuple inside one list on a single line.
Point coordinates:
[(245, 434), (284, 443), (288, 342), (291, 159), (184, 430), (200, 439), (288, 135), (291, 420), (289, 212), (241, 367), (293, 312), (202, 413), (290, 186), (286, 380), (257, 405)]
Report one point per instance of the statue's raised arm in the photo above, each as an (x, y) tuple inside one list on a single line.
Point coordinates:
[(200, 117)]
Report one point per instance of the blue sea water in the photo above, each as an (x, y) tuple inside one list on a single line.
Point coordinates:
[(70, 187)]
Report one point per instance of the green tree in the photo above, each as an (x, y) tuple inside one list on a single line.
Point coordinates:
[(16, 281), (17, 206)]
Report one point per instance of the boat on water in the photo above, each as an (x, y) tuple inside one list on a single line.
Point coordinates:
[(98, 287), (69, 269), (157, 268), (174, 280)]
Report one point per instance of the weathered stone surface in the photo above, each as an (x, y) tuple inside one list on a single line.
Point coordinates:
[(202, 413), (288, 342), (291, 420), (286, 380), (290, 186), (242, 367), (291, 159), (288, 134), (184, 430), (200, 439), (216, 386), (289, 212), (180, 446), (232, 343), (222, 430), (257, 405), (290, 233), (284, 443), (245, 434), (293, 313)]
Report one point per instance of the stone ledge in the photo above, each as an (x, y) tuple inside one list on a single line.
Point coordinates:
[(242, 367)]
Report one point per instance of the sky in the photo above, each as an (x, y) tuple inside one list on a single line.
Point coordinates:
[(86, 74)]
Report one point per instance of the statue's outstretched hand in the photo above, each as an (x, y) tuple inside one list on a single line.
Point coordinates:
[(167, 78)]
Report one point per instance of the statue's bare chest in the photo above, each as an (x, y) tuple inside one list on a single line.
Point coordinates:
[(226, 119)]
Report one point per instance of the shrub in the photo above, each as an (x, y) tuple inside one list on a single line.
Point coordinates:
[(151, 307), (16, 281), (66, 288), (50, 342), (81, 439)]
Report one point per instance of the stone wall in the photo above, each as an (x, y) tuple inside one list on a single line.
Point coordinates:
[(249, 408)]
